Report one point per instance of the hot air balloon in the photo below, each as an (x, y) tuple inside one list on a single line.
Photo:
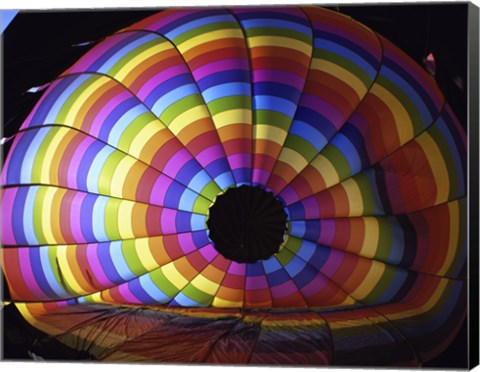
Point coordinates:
[(254, 185)]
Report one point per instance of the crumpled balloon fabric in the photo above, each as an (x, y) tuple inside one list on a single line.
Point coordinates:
[(108, 185)]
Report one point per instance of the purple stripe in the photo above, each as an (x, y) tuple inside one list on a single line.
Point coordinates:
[(282, 77), (94, 262), (239, 161), (106, 110), (328, 111), (187, 243), (327, 232), (75, 162), (176, 163), (159, 190), (219, 66), (8, 200), (288, 195), (27, 273), (260, 176), (160, 78), (210, 154), (315, 286), (332, 264), (125, 292), (209, 253), (45, 95), (256, 282), (167, 221), (75, 217), (237, 268)]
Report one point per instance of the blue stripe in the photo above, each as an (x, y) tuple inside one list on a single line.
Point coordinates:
[(114, 116), (105, 259), (38, 272), (172, 97), (83, 169), (123, 123), (225, 77), (226, 90), (49, 275), (96, 167), (31, 154), (308, 133), (348, 151), (17, 216), (98, 219), (166, 87), (151, 288), (86, 211), (86, 79), (275, 104), (115, 58), (28, 215), (119, 262)]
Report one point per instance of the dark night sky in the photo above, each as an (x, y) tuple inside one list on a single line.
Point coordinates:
[(38, 47)]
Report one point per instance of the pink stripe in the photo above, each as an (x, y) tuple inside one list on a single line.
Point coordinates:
[(218, 66), (311, 208), (127, 294), (27, 274), (237, 268), (209, 253), (332, 264), (167, 221), (186, 243), (159, 190), (8, 199), (75, 162), (260, 176), (176, 163), (75, 223), (210, 154), (93, 260), (289, 196), (100, 119), (238, 161), (283, 290), (159, 78)]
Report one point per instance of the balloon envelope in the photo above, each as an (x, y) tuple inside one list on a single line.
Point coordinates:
[(113, 178)]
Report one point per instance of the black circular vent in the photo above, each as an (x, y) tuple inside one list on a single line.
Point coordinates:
[(247, 224)]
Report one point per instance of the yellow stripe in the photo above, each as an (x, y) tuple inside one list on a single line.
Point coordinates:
[(372, 236), (326, 170), (340, 73), (174, 276), (205, 285), (27, 314), (71, 118), (293, 158), (188, 117), (119, 176), (270, 133), (370, 281), (142, 137), (61, 133), (453, 239), (280, 41), (124, 219), (236, 116), (65, 270), (437, 165), (144, 252), (354, 195), (49, 216), (139, 58), (220, 302), (209, 36), (403, 122)]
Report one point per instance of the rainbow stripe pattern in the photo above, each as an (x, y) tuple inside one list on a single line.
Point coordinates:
[(108, 184)]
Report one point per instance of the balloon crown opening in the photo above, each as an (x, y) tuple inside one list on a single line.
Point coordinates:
[(247, 224)]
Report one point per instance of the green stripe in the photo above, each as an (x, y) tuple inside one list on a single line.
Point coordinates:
[(162, 282), (302, 146), (229, 103), (134, 128), (197, 31), (272, 118), (111, 218), (283, 32), (106, 175), (38, 221), (179, 107), (197, 295), (40, 155), (131, 257), (338, 161)]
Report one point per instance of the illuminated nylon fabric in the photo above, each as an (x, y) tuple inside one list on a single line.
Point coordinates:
[(108, 185)]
